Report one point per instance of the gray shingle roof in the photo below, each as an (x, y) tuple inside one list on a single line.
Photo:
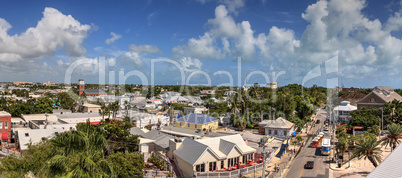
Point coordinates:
[(197, 118), (94, 91), (191, 150), (278, 123), (390, 166)]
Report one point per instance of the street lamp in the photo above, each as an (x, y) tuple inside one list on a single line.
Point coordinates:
[(46, 120)]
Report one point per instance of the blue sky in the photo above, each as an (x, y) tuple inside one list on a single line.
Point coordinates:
[(328, 42)]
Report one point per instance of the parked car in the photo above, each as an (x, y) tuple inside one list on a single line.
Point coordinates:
[(309, 165), (325, 128)]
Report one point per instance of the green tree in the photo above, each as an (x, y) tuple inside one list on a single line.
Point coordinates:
[(369, 149), (43, 105), (392, 139), (127, 164), (65, 101), (376, 130)]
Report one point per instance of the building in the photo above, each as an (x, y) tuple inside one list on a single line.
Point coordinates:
[(95, 92), (229, 93), (390, 166), (144, 119), (352, 97), (198, 110), (342, 112), (277, 128), (49, 83), (5, 126), (272, 85), (16, 83), (67, 117), (35, 136), (90, 108), (190, 133), (80, 87), (207, 92), (378, 97), (38, 121), (197, 121), (210, 154)]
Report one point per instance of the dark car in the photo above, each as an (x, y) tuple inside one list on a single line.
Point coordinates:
[(317, 122), (309, 165)]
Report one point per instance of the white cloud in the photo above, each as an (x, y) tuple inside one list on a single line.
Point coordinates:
[(203, 47), (190, 64), (130, 56), (54, 31), (113, 38), (335, 27), (144, 48)]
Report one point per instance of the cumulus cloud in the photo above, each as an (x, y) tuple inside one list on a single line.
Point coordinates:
[(144, 48), (190, 64), (335, 27), (131, 57), (113, 38), (53, 32), (203, 47)]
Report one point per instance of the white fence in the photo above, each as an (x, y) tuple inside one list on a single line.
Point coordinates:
[(234, 173), (9, 151)]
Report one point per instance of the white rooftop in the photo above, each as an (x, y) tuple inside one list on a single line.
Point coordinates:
[(4, 113), (345, 106), (35, 135)]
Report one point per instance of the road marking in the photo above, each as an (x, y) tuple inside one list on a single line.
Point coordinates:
[(318, 168), (301, 172)]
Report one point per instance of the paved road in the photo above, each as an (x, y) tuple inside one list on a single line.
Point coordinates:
[(321, 163)]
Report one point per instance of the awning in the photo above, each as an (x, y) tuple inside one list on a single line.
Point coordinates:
[(4, 135)]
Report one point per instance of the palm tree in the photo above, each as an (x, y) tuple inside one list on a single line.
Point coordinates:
[(342, 145), (392, 138), (369, 149), (82, 154)]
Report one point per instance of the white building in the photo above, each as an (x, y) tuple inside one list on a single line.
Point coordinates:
[(342, 112), (210, 154), (143, 119), (34, 136), (277, 128), (198, 110)]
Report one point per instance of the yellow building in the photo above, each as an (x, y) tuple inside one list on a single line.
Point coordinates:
[(16, 83), (48, 83), (197, 121)]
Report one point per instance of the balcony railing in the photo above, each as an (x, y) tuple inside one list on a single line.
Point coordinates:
[(233, 173)]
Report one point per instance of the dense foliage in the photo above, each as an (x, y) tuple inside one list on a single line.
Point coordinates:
[(105, 150)]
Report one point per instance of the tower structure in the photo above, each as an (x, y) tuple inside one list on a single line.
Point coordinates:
[(80, 87)]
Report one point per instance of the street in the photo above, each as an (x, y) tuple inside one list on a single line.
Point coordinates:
[(308, 153)]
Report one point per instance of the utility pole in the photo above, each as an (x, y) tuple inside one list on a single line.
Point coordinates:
[(262, 143)]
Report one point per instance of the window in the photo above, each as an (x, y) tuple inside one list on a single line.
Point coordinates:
[(26, 134), (222, 164), (212, 166), (285, 132), (269, 132), (244, 158), (372, 100), (276, 132), (6, 125), (188, 125), (200, 168), (1, 125), (180, 123)]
